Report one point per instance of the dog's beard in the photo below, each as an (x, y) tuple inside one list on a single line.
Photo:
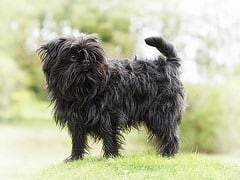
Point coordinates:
[(81, 83)]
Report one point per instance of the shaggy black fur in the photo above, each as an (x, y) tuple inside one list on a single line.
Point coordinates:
[(94, 96)]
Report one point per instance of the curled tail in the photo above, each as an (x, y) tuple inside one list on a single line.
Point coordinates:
[(165, 47)]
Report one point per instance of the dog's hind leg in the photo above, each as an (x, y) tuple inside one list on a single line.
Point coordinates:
[(164, 126), (168, 142)]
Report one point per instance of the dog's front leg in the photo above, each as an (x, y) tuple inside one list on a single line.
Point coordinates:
[(111, 145), (79, 142), (111, 139)]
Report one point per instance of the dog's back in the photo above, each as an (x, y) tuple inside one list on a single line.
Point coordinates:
[(144, 83)]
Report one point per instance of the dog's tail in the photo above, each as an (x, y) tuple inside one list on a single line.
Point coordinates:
[(165, 47)]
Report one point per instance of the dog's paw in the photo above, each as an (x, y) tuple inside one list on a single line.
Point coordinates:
[(170, 150), (72, 158), (111, 155)]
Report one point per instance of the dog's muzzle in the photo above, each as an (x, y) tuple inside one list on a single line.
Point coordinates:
[(86, 62)]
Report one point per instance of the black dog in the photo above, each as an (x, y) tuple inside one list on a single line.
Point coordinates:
[(93, 96)]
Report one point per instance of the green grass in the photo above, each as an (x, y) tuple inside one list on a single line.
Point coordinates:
[(143, 166)]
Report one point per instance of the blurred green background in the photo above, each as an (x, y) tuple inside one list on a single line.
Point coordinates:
[(206, 34)]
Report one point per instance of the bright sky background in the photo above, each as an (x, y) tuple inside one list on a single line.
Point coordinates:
[(215, 19)]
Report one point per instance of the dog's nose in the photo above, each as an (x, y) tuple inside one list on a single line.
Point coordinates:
[(86, 62)]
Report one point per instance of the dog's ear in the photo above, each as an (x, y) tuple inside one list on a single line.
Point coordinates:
[(49, 51)]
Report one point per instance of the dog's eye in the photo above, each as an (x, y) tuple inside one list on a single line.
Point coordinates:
[(73, 57), (92, 56)]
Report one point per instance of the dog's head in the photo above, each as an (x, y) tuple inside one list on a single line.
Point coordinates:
[(72, 61)]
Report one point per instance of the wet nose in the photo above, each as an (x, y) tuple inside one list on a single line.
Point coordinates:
[(86, 62)]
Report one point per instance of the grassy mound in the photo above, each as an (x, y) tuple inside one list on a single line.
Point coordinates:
[(143, 166)]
